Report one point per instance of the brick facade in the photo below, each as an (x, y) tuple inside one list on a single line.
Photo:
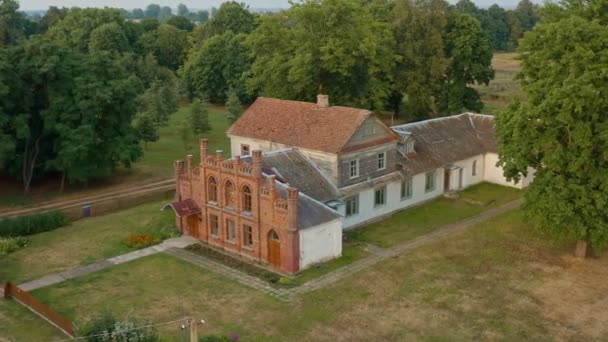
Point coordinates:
[(246, 206)]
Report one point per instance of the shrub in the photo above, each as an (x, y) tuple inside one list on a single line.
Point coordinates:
[(284, 280), (141, 241), (32, 224), (9, 245), (106, 328)]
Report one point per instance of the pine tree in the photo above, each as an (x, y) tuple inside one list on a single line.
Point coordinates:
[(147, 130), (199, 117), (233, 105)]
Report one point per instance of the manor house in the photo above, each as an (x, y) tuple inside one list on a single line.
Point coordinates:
[(301, 172)]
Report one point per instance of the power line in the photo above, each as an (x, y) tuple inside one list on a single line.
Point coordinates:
[(189, 320)]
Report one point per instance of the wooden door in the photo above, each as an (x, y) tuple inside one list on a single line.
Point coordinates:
[(274, 249), (192, 223), (446, 185)]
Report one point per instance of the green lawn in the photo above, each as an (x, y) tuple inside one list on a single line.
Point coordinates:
[(351, 252), (411, 223), (497, 281), (83, 242), (158, 159)]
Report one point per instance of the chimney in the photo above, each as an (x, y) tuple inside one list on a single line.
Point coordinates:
[(257, 163), (322, 101), (204, 146)]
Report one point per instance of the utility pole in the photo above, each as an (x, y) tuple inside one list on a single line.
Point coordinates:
[(193, 330)]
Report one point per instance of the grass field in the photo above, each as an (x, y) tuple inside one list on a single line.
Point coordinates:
[(499, 280), (83, 242), (409, 224), (156, 163), (503, 88)]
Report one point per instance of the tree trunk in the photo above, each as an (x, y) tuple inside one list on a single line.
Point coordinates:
[(62, 186), (29, 163), (581, 249)]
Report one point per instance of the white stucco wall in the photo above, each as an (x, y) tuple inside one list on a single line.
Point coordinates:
[(468, 178), (327, 163), (320, 243), (494, 174), (368, 212)]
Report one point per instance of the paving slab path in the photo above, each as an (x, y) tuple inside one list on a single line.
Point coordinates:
[(179, 242), (175, 247), (377, 254)]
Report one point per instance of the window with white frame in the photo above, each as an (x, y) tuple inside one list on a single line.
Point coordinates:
[(353, 168), (381, 160), (352, 205), (406, 188), (474, 168), (380, 196), (429, 184)]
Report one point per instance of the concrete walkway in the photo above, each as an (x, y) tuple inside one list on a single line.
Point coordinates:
[(179, 242), (377, 254)]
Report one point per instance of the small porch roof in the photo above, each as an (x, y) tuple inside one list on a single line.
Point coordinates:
[(183, 208)]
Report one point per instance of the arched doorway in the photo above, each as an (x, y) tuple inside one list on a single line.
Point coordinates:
[(274, 249)]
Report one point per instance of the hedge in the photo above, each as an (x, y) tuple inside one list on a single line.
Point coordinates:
[(32, 224)]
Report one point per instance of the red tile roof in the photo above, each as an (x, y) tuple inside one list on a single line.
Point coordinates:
[(300, 124), (184, 208)]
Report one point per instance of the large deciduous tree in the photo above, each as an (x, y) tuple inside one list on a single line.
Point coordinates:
[(562, 131), (470, 52), (330, 46), (217, 66), (66, 112), (419, 29)]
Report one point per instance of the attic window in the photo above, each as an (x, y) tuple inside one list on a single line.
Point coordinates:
[(369, 130), (409, 147)]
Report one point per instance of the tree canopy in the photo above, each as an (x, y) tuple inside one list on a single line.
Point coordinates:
[(334, 46), (561, 131)]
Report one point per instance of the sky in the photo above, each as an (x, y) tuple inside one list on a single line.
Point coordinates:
[(27, 5)]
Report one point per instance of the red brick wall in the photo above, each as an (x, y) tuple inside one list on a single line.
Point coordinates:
[(268, 212)]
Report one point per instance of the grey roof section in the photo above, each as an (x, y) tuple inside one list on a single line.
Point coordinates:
[(294, 168), (311, 213), (443, 141)]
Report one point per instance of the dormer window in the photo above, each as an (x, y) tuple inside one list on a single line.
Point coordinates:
[(409, 147)]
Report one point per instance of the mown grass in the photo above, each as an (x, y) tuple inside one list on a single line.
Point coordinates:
[(83, 242), (411, 223), (499, 280)]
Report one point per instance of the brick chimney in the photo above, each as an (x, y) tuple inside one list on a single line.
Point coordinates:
[(322, 101), (257, 163), (204, 147)]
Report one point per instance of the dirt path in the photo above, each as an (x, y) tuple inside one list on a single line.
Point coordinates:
[(86, 200)]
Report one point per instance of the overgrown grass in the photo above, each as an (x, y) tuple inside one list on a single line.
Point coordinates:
[(411, 223), (497, 281), (83, 242), (504, 87)]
